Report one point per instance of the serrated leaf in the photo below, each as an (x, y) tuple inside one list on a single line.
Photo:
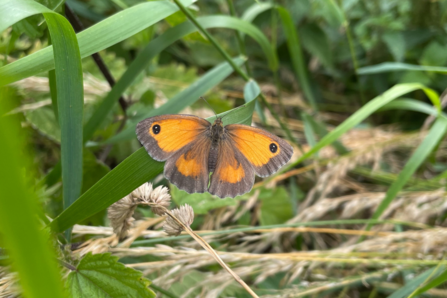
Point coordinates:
[(276, 206), (200, 202), (100, 275)]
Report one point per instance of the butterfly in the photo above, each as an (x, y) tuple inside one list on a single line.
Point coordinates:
[(194, 148)]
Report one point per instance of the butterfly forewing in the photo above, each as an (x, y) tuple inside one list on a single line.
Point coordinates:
[(266, 152), (164, 135)]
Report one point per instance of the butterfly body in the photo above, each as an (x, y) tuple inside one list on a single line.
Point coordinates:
[(193, 148)]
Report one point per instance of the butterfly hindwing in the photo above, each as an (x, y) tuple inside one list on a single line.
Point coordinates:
[(263, 150), (233, 174), (164, 135), (188, 167)]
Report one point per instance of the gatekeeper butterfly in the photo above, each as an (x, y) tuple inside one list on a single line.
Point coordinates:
[(193, 148)]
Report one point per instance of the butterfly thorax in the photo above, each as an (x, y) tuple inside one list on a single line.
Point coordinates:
[(217, 133)]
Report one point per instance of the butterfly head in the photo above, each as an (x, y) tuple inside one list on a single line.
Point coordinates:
[(217, 130)]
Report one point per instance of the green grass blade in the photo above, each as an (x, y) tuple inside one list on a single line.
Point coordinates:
[(398, 66), (371, 107), (70, 101), (13, 11), (436, 133), (296, 55), (159, 44), (442, 278), (128, 175), (26, 242), (409, 287), (182, 99), (256, 9), (94, 39), (412, 105), (251, 92)]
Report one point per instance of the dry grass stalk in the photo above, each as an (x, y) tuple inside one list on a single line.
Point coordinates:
[(8, 284), (120, 215)]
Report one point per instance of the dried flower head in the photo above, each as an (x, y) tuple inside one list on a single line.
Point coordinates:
[(143, 192), (185, 214), (120, 215), (161, 198)]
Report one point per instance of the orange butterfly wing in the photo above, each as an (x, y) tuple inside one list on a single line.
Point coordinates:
[(164, 135), (183, 142), (266, 152), (233, 174)]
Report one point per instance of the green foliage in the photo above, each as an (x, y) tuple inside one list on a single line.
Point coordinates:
[(349, 63), (276, 206), (101, 275), (202, 203)]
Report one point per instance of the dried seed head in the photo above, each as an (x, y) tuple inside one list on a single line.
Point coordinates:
[(143, 192), (185, 214), (160, 197), (120, 215)]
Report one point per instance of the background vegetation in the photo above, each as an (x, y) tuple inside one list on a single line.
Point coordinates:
[(357, 87)]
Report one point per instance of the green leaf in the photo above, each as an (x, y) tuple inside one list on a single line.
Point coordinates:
[(317, 44), (45, 122), (158, 45), (23, 238), (412, 105), (409, 287), (127, 176), (182, 99), (436, 133), (371, 107), (251, 92), (296, 55), (70, 103), (101, 275), (395, 42), (439, 280), (433, 55), (397, 66), (94, 39), (200, 202), (256, 9), (276, 207)]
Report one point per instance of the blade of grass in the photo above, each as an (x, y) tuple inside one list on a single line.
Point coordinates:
[(296, 55), (256, 9), (412, 285), (398, 66), (371, 107), (94, 39), (158, 45), (26, 242), (182, 99), (252, 91), (127, 176), (442, 278), (70, 102), (435, 134)]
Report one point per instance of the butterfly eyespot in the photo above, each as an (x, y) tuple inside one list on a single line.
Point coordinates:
[(156, 129), (273, 147)]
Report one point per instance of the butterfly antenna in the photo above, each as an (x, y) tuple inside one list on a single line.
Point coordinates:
[(209, 105)]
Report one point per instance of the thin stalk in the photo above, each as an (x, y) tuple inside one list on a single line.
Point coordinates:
[(210, 250), (235, 67), (212, 40), (239, 38), (272, 227), (354, 59)]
